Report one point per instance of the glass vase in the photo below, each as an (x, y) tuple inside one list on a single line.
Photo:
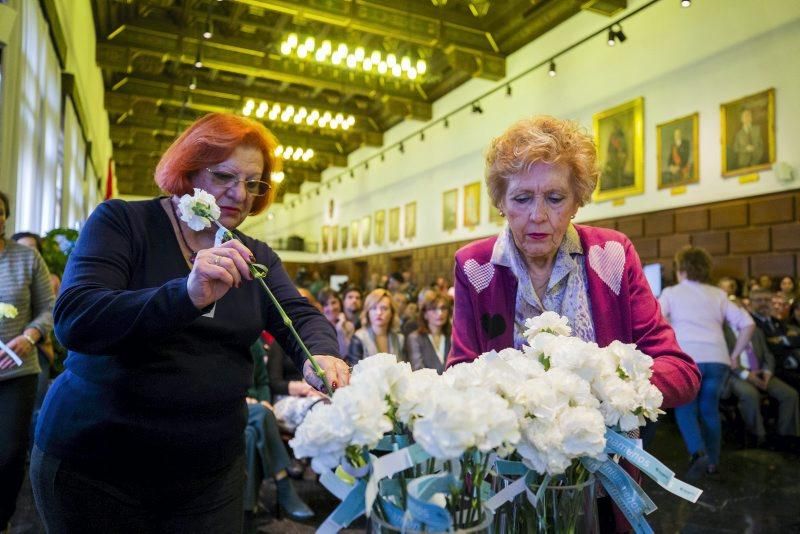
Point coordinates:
[(378, 525), (561, 509)]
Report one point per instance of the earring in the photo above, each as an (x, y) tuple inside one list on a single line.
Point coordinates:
[(501, 213), (572, 217)]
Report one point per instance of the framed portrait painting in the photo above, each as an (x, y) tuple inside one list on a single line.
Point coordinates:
[(410, 228), (619, 137), (366, 227), (326, 236), (380, 226), (394, 225), (494, 215), (354, 234), (748, 133), (677, 148), (472, 204), (449, 210)]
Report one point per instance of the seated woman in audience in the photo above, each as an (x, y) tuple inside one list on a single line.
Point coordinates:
[(143, 431), (788, 288), (332, 310), (380, 332), (731, 287), (265, 451), (697, 312), (429, 345), (765, 281), (756, 375)]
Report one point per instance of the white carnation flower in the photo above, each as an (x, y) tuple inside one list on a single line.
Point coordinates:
[(198, 210), (548, 321), (383, 372), (323, 436), (414, 392), (366, 408)]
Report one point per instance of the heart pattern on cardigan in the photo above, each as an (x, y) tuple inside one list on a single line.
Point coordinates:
[(608, 262), (493, 325), (478, 275)]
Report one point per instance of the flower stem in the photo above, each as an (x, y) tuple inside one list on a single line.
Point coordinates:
[(259, 273)]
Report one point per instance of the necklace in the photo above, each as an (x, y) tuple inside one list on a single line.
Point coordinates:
[(193, 254)]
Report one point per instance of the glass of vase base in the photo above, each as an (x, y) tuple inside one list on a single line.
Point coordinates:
[(379, 526), (560, 510)]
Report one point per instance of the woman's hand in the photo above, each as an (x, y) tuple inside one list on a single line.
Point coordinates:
[(216, 270), (21, 347), (336, 371)]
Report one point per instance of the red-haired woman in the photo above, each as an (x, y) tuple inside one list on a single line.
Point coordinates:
[(143, 431)]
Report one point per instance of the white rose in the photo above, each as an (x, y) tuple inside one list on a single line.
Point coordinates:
[(201, 201)]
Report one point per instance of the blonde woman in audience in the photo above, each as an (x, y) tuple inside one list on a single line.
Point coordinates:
[(697, 312), (380, 330), (788, 289), (429, 345)]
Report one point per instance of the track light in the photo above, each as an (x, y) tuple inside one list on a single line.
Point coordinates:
[(402, 148), (615, 34), (366, 165), (209, 31), (508, 90), (352, 174), (447, 123), (422, 136), (198, 60), (611, 37), (476, 108), (193, 83), (552, 70), (686, 3), (621, 35)]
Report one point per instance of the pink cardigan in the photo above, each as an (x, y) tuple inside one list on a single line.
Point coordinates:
[(623, 308)]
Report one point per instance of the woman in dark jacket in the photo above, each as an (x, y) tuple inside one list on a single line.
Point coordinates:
[(429, 345)]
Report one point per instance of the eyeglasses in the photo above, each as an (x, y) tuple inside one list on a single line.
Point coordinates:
[(226, 180)]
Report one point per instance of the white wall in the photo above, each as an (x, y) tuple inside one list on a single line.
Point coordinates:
[(680, 60)]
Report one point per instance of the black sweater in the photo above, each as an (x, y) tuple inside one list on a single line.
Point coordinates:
[(153, 387)]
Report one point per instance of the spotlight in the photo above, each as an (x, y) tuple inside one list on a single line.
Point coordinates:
[(366, 165), (193, 83), (552, 70), (209, 31), (621, 34), (198, 60), (383, 156), (352, 174), (611, 37), (422, 136), (447, 123), (508, 90), (476, 108), (686, 3), (402, 148)]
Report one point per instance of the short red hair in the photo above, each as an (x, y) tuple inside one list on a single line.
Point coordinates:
[(211, 140)]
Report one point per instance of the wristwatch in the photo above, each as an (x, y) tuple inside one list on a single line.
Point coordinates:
[(29, 339)]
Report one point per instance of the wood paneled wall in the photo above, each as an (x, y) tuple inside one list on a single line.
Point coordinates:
[(747, 237)]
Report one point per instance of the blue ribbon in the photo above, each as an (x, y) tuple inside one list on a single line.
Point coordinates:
[(509, 467), (650, 465), (392, 443), (347, 511), (625, 492), (421, 490)]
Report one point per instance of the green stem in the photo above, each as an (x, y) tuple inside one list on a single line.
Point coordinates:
[(259, 273)]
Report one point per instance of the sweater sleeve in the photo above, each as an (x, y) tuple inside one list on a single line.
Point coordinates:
[(42, 298), (95, 312), (674, 373), (465, 346)]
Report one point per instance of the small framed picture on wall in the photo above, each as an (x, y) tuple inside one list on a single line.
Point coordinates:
[(354, 234), (326, 235), (678, 154), (619, 138), (380, 226), (449, 210), (366, 227), (748, 133), (410, 229), (472, 204), (394, 225), (344, 237)]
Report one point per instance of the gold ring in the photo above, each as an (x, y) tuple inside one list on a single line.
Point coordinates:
[(216, 260)]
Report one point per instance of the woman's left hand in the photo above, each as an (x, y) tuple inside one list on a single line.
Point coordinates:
[(336, 371)]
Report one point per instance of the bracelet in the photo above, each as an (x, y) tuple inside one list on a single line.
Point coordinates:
[(29, 339)]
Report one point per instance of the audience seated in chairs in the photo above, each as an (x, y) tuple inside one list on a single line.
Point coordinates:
[(756, 378), (265, 451), (783, 342), (380, 330)]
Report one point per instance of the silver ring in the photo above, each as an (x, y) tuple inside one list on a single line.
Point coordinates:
[(216, 260)]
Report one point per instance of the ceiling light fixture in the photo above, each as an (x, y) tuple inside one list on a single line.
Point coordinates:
[(686, 3), (193, 83), (552, 70), (615, 34), (476, 108), (402, 148), (198, 60), (446, 122), (509, 91), (611, 37), (277, 177), (359, 58), (209, 31), (294, 153), (422, 136), (326, 119)]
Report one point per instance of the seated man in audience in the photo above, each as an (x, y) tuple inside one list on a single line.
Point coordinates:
[(784, 345), (756, 375), (352, 302)]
